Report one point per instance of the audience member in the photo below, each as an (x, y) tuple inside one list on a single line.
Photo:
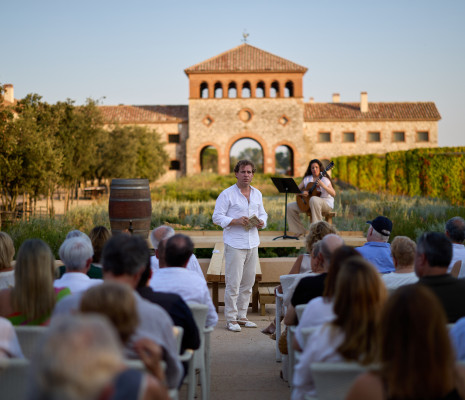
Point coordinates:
[(124, 259), (320, 309), (98, 236), (175, 306), (455, 231), (313, 286), (352, 335), (434, 252), (76, 253), (173, 277), (416, 356), (163, 233), (7, 252), (403, 256), (377, 249), (9, 345), (80, 358), (94, 271), (457, 333), (31, 300)]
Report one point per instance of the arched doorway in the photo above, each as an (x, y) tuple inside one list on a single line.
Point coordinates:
[(209, 159), (284, 160), (248, 149)]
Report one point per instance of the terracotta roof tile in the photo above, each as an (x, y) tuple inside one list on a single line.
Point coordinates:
[(376, 111), (246, 58), (144, 114)]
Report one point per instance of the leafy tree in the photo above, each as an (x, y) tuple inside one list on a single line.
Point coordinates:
[(210, 159), (253, 154)]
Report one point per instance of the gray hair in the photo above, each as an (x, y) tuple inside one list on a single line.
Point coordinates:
[(378, 236), (328, 245), (77, 357), (163, 232), (75, 252)]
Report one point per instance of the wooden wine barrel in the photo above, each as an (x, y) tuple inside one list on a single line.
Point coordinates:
[(130, 204)]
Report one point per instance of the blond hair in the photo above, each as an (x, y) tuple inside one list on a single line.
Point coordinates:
[(403, 250), (33, 294), (116, 301), (7, 250), (318, 230)]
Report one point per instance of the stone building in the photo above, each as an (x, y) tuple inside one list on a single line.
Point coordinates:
[(249, 93)]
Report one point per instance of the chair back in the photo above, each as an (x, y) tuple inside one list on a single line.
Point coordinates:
[(178, 334), (334, 379), (14, 374), (299, 310), (28, 336)]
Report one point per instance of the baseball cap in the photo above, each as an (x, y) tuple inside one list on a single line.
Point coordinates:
[(382, 225)]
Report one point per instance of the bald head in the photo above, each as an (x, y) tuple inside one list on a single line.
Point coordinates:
[(163, 232), (329, 244)]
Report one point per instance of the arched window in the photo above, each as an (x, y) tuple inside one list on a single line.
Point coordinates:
[(232, 90), (209, 159), (289, 89), (260, 92), (274, 90), (218, 90), (246, 92), (284, 161), (204, 90), (248, 149)]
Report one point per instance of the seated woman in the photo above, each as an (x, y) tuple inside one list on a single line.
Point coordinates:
[(80, 358), (320, 309), (98, 236), (116, 302), (9, 345), (403, 256), (416, 356), (303, 264), (7, 252), (32, 299), (352, 335)]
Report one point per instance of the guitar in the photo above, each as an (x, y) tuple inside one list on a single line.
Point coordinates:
[(304, 201)]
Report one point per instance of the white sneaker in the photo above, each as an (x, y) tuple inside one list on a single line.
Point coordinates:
[(246, 323), (233, 327)]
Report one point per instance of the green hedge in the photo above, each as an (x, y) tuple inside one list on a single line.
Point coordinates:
[(430, 172)]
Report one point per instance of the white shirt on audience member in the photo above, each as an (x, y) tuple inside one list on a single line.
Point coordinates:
[(458, 253), (395, 279), (76, 282), (186, 284), (192, 265), (9, 344)]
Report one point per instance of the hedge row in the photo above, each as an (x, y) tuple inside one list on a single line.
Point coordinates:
[(433, 172)]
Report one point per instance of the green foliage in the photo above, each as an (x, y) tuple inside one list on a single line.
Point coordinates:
[(210, 159), (429, 172)]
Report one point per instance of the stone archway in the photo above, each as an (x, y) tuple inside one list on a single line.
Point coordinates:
[(209, 159), (284, 160), (247, 148)]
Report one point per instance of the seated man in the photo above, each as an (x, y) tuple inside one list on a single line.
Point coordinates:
[(163, 233), (403, 255), (174, 277), (434, 252), (377, 249), (124, 259), (76, 253), (455, 231)]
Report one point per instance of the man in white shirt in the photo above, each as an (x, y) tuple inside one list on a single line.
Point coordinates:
[(455, 231), (164, 232), (174, 277), (76, 253), (233, 211)]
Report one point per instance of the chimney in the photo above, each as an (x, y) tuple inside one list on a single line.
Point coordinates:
[(364, 102), (336, 98), (312, 100), (8, 94)]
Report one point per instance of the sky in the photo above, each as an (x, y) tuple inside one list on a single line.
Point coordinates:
[(135, 52)]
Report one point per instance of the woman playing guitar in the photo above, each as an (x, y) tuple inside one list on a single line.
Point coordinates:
[(319, 201)]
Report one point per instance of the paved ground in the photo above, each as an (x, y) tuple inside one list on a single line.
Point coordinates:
[(243, 364)]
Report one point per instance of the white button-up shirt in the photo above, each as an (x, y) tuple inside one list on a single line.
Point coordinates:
[(76, 282), (192, 265), (232, 204)]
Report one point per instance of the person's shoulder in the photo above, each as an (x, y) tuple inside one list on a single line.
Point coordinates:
[(367, 386), (147, 309)]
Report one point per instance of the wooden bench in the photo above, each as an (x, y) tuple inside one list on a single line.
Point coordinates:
[(328, 216)]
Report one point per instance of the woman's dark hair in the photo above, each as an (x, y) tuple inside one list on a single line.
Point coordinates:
[(308, 172)]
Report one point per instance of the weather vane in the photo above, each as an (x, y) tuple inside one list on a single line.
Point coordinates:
[(245, 35)]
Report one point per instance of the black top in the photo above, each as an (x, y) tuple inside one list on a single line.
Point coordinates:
[(308, 288), (451, 293), (179, 312)]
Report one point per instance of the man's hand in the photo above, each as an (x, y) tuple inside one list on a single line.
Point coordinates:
[(261, 225), (242, 221)]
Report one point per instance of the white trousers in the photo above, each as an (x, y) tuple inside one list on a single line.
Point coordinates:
[(240, 267), (317, 207)]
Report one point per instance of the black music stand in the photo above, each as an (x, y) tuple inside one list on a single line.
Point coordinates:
[(286, 185)]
